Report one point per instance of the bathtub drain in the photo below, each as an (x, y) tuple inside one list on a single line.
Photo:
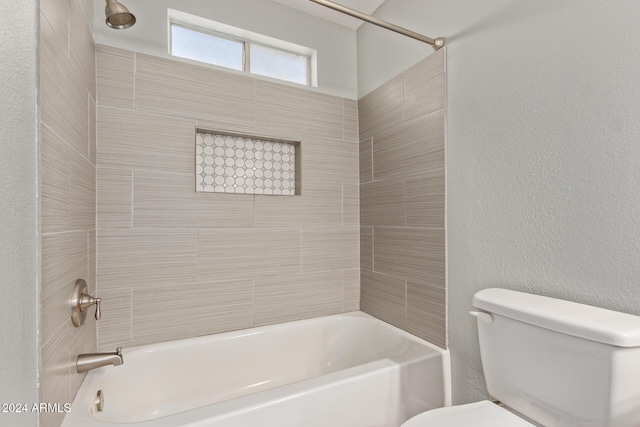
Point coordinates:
[(99, 401)]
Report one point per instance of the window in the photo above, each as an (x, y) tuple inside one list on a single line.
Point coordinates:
[(200, 39), (279, 64)]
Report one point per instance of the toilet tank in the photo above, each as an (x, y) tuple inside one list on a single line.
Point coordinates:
[(560, 363)]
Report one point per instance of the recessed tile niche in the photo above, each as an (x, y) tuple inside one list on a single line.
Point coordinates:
[(234, 163)]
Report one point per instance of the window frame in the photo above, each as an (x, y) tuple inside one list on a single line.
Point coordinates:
[(290, 52), (246, 50), (275, 48)]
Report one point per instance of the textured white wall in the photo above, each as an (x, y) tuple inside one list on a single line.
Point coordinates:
[(18, 214), (336, 45), (543, 155)]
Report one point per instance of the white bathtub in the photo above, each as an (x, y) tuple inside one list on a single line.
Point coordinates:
[(348, 370)]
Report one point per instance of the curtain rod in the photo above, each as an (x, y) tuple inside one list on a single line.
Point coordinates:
[(436, 43)]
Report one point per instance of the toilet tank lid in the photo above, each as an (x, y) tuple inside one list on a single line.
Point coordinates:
[(580, 320)]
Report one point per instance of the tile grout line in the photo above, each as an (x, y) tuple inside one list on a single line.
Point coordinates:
[(131, 201), (135, 74)]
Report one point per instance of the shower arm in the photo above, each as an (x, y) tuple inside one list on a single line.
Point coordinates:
[(437, 43)]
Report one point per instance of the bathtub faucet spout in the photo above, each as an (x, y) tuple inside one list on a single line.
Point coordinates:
[(89, 361)]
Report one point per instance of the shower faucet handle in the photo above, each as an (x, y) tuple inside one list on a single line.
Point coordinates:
[(87, 301), (81, 301)]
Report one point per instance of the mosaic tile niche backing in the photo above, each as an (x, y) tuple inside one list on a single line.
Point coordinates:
[(229, 163)]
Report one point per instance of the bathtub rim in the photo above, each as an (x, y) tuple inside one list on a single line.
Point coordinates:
[(273, 327)]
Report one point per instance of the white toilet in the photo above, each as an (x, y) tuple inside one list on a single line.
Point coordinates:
[(554, 362)]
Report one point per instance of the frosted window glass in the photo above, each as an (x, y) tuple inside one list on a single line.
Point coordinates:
[(205, 47), (279, 64)]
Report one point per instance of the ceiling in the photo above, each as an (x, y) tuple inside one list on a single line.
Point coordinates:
[(306, 6)]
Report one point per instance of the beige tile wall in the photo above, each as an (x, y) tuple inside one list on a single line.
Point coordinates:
[(173, 263), (68, 189), (402, 201)]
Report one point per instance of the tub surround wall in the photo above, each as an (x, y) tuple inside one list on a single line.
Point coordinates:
[(68, 209), (402, 200), (174, 263)]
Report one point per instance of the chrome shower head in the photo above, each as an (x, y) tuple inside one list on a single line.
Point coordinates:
[(118, 16)]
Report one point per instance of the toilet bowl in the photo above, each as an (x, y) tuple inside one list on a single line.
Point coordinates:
[(478, 414), (554, 362)]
